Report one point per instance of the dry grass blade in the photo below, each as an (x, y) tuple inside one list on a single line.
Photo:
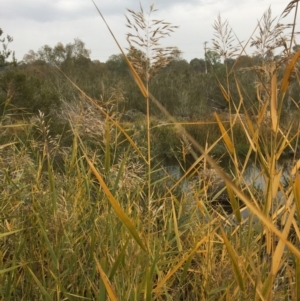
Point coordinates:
[(296, 188), (106, 281), (225, 135), (176, 227), (273, 105), (285, 142), (224, 92), (285, 82), (262, 113), (295, 168), (269, 188), (235, 265), (162, 282), (246, 131), (275, 183), (8, 144), (117, 208), (10, 233), (276, 258), (234, 204)]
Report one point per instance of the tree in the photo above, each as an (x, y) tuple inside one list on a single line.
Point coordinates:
[(213, 58), (23, 93), (59, 54), (117, 64), (198, 65), (229, 62), (30, 57), (244, 61), (5, 53)]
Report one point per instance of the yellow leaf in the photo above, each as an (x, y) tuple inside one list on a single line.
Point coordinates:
[(225, 135), (273, 104), (179, 264), (280, 247), (176, 228), (296, 187), (275, 183), (106, 281), (234, 204), (296, 167), (225, 94), (261, 114), (285, 82)]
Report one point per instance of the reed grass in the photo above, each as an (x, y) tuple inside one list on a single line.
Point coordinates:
[(105, 227)]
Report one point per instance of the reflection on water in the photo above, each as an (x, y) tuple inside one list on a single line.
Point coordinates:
[(254, 175)]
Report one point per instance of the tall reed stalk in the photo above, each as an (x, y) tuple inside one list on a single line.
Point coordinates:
[(147, 58)]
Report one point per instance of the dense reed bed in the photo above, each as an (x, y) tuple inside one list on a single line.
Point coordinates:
[(102, 220)]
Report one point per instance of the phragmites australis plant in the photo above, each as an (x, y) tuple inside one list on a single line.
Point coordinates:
[(147, 57), (79, 229)]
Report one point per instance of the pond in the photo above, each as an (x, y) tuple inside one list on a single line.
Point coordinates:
[(253, 177)]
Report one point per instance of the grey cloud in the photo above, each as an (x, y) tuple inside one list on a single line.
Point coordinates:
[(50, 11), (43, 11)]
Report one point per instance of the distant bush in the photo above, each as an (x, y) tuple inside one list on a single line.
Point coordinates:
[(23, 93)]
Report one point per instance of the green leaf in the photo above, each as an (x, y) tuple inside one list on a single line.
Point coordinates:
[(10, 233), (39, 284), (235, 265), (116, 206), (9, 269), (118, 261)]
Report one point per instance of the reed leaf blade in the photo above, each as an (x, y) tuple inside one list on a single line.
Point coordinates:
[(117, 208), (225, 135), (237, 272), (40, 285), (107, 284)]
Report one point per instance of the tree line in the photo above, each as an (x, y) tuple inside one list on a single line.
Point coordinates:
[(189, 90)]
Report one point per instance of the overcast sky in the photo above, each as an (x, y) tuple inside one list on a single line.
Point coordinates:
[(34, 23)]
